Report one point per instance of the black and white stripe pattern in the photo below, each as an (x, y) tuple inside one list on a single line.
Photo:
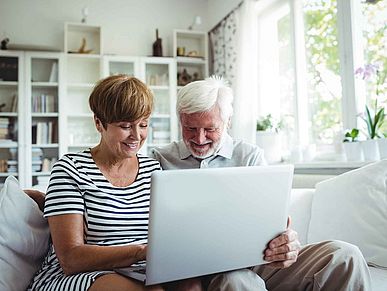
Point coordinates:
[(112, 215)]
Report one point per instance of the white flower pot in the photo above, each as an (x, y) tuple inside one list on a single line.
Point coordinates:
[(353, 151), (271, 143), (371, 150), (382, 142)]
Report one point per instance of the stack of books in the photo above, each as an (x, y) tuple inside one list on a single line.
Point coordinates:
[(44, 132), (37, 157), (4, 128), (43, 103)]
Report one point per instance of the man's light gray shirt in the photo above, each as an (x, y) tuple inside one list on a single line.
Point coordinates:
[(232, 153)]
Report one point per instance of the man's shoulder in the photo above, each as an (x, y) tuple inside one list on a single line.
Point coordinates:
[(240, 145), (171, 148), (169, 156), (247, 154)]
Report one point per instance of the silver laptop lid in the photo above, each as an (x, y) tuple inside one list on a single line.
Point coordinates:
[(205, 221)]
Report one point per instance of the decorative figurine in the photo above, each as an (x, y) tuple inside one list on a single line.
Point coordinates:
[(82, 49), (183, 78), (4, 43), (157, 47)]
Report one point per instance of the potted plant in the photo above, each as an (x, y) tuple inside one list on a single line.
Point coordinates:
[(268, 137), (383, 146), (373, 117), (352, 148)]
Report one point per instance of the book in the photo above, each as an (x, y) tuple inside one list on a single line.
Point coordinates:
[(14, 103), (54, 72)]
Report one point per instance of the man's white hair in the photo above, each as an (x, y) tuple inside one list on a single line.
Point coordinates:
[(202, 96)]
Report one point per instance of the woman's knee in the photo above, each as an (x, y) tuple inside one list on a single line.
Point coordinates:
[(116, 282), (191, 284)]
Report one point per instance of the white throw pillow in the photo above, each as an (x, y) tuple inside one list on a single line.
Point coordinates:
[(24, 237), (353, 207)]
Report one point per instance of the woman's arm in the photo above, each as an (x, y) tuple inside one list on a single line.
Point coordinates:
[(75, 256)]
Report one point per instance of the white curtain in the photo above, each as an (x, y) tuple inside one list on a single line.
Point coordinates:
[(234, 54), (245, 86)]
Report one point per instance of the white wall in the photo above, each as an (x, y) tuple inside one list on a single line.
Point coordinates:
[(217, 9), (128, 25)]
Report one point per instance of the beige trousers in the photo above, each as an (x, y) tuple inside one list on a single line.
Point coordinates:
[(329, 266)]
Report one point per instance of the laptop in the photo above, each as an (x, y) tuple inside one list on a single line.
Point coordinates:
[(205, 221)]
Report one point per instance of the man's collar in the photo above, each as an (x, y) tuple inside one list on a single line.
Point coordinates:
[(225, 149), (183, 150)]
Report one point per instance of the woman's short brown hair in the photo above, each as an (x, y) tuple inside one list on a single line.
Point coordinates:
[(120, 98)]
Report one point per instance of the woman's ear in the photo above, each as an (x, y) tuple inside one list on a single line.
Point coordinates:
[(98, 124)]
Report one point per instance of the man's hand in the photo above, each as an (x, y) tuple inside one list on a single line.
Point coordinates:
[(283, 250)]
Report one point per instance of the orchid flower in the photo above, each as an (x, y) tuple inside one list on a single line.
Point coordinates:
[(375, 119)]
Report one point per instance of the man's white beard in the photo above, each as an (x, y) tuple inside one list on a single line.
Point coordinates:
[(211, 151)]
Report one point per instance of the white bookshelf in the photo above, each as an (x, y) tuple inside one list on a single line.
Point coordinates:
[(47, 96), (12, 116), (159, 74), (44, 91), (191, 52), (74, 33), (113, 65), (82, 71)]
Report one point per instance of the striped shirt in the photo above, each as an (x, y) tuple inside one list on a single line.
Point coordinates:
[(112, 215)]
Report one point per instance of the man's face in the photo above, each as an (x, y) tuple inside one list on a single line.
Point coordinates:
[(202, 132)]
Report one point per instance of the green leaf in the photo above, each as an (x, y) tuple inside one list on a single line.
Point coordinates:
[(370, 127), (379, 119)]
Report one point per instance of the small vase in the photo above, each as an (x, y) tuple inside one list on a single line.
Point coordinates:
[(382, 142), (371, 150), (353, 151), (271, 143)]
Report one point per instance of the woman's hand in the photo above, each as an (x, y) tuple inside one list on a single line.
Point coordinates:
[(141, 252), (75, 256)]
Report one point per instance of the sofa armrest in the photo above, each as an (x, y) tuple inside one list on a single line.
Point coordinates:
[(300, 211)]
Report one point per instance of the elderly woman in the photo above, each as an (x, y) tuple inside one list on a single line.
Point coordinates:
[(97, 201)]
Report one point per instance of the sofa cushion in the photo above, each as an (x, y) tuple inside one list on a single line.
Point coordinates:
[(300, 207), (24, 237), (353, 207), (379, 279)]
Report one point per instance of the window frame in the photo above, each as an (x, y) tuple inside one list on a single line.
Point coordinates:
[(350, 57)]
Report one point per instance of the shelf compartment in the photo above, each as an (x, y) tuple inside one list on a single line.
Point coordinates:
[(75, 32), (44, 71), (83, 70)]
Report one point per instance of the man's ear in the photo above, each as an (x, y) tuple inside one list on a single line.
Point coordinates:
[(229, 123)]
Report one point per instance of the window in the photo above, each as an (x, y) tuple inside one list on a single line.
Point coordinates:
[(306, 63), (374, 32), (323, 71), (276, 71)]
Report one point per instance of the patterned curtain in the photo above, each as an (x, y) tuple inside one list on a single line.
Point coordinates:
[(223, 51), (233, 50)]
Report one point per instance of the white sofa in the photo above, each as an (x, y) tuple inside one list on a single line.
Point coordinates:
[(300, 211), (351, 207)]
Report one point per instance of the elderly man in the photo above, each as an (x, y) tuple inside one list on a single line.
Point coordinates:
[(204, 109)]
